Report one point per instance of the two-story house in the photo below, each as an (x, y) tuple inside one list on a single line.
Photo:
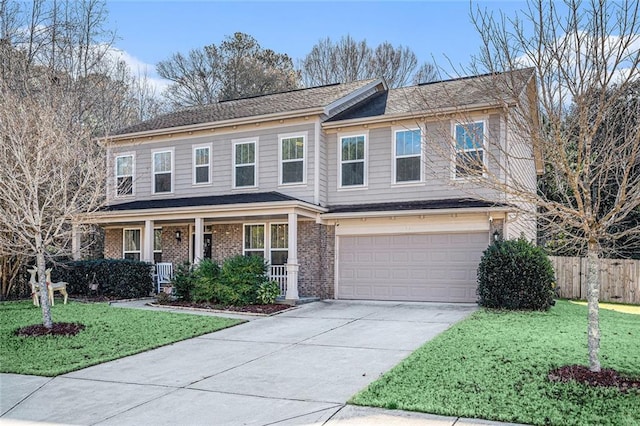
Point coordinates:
[(337, 187)]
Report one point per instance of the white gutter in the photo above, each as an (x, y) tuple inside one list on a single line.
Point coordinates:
[(429, 212)]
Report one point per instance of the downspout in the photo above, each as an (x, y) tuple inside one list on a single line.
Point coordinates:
[(316, 161)]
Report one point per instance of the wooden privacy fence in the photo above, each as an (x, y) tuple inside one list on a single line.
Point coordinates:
[(619, 279)]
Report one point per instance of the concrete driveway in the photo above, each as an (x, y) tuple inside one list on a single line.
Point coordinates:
[(299, 367)]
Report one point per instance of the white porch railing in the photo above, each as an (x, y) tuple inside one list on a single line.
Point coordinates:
[(278, 273)]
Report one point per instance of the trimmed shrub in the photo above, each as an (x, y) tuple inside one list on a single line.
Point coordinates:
[(240, 278), (205, 278), (184, 282), (116, 277), (515, 274)]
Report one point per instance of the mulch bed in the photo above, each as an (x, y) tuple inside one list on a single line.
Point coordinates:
[(58, 329), (251, 309), (606, 377)]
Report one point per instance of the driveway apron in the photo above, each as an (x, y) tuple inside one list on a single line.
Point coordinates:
[(299, 367)]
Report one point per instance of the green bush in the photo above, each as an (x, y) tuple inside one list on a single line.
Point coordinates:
[(116, 277), (267, 292), (240, 278), (205, 278), (183, 282), (515, 274)]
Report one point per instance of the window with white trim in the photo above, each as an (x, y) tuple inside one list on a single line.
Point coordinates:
[(469, 139), (244, 161), (352, 160), (254, 240), (124, 175), (292, 160), (162, 171), (279, 246), (408, 156), (157, 245), (202, 164), (131, 244)]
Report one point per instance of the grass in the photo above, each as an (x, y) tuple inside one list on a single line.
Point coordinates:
[(494, 366), (110, 333)]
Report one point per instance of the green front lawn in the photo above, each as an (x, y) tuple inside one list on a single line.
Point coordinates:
[(494, 366), (110, 333)]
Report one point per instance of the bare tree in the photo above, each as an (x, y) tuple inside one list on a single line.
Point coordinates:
[(581, 121), (426, 73), (238, 67), (52, 173), (60, 84), (350, 60), (196, 77)]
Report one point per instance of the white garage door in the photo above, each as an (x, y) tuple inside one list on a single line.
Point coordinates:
[(418, 267)]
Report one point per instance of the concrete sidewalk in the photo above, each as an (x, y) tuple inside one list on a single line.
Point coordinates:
[(296, 368)]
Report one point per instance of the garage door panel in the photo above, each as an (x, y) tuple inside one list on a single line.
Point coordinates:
[(427, 267)]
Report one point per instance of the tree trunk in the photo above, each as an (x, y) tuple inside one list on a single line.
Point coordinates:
[(44, 293), (593, 294)]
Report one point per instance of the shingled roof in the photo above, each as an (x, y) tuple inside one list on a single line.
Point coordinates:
[(301, 99), (489, 89)]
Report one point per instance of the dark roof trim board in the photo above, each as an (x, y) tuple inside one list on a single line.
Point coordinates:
[(277, 197), (213, 200)]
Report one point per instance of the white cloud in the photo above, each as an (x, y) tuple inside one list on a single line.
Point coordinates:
[(140, 69)]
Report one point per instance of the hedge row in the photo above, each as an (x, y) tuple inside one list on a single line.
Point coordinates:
[(115, 277)]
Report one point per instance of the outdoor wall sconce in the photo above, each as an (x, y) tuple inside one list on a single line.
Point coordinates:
[(178, 236), (496, 235)]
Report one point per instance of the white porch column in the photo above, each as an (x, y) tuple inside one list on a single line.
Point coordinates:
[(147, 242), (292, 262), (75, 241), (198, 245)]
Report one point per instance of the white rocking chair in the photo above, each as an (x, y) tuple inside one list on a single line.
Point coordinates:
[(164, 274)]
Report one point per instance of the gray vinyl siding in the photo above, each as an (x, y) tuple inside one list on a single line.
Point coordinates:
[(380, 186), (221, 163), (323, 169), (521, 175)]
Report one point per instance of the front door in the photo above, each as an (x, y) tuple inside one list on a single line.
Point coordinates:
[(207, 241)]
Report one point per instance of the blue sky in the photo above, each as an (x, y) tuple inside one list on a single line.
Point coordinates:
[(149, 31)]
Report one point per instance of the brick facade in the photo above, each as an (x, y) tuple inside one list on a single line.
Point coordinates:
[(227, 241), (174, 251), (113, 243), (316, 258)]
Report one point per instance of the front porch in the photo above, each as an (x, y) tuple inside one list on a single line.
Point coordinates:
[(288, 237)]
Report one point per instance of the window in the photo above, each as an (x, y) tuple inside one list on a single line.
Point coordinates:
[(157, 245), (408, 156), (131, 244), (275, 244), (352, 160), (469, 149), (201, 164), (279, 243), (292, 157), (254, 240), (124, 175), (245, 164), (162, 171)]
